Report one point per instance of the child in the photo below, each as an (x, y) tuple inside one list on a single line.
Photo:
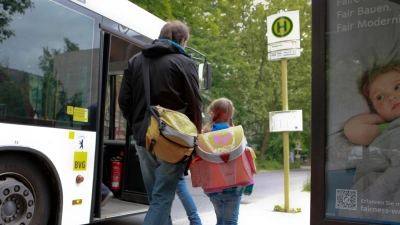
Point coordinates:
[(377, 172), (380, 87), (226, 201)]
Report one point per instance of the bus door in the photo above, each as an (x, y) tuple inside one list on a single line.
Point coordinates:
[(120, 165), (119, 149)]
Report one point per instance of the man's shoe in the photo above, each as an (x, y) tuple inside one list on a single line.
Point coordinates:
[(105, 199)]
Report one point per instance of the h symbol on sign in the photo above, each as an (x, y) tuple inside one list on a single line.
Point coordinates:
[(282, 26)]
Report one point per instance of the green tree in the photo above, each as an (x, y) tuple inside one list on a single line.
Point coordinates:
[(50, 82), (14, 89), (7, 10), (243, 62), (70, 46), (232, 33)]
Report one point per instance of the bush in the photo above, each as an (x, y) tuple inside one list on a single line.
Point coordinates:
[(264, 164), (295, 164)]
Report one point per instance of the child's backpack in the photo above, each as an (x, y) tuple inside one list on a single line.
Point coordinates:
[(222, 160)]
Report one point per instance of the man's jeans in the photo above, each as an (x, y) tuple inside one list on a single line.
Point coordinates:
[(161, 180), (104, 191), (187, 202), (226, 206)]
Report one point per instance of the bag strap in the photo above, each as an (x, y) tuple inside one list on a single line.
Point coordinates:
[(146, 122), (146, 81), (146, 78)]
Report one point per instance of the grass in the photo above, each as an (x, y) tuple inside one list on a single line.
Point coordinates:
[(279, 208), (307, 185), (263, 164)]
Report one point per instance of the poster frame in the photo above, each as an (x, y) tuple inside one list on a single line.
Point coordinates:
[(318, 126), (319, 120)]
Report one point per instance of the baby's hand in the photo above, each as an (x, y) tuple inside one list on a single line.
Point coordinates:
[(363, 129)]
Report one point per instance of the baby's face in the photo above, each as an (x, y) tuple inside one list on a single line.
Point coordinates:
[(384, 93)]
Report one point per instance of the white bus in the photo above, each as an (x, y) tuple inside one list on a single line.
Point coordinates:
[(61, 64)]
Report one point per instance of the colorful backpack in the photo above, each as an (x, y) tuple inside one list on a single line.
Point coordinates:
[(222, 160)]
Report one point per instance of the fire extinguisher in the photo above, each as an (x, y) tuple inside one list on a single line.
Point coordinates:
[(116, 174)]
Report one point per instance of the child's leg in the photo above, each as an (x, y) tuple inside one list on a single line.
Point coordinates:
[(226, 207), (231, 204), (217, 202)]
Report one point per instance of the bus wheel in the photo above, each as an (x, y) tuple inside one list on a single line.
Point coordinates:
[(24, 193)]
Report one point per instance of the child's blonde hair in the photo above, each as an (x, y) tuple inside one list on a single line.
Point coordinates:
[(220, 111)]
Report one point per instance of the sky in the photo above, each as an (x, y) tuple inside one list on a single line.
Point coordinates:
[(45, 25)]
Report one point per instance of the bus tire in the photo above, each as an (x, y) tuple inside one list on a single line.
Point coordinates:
[(24, 191)]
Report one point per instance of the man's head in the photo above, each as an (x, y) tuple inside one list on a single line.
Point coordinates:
[(175, 31), (380, 86)]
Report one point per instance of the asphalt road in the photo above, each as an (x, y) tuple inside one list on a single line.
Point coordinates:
[(267, 183)]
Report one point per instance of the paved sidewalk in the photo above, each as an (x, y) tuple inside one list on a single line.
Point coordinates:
[(261, 212)]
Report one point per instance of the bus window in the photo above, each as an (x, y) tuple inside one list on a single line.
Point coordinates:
[(48, 78), (120, 52)]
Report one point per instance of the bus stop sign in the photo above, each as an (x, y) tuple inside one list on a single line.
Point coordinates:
[(283, 26), (283, 35)]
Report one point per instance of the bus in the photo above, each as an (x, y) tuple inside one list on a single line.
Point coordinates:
[(61, 132)]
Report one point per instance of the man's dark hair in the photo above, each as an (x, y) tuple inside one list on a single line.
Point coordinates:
[(175, 31)]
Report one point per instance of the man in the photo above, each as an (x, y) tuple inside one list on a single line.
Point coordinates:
[(173, 84)]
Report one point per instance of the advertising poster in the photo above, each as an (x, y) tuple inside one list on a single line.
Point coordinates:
[(362, 167)]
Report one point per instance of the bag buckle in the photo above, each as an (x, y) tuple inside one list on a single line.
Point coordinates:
[(162, 125)]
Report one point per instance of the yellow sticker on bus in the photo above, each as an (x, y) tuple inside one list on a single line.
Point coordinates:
[(80, 160), (80, 115), (70, 110), (77, 202)]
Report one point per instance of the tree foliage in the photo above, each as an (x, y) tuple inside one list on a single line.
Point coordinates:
[(7, 9), (50, 81), (233, 35)]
